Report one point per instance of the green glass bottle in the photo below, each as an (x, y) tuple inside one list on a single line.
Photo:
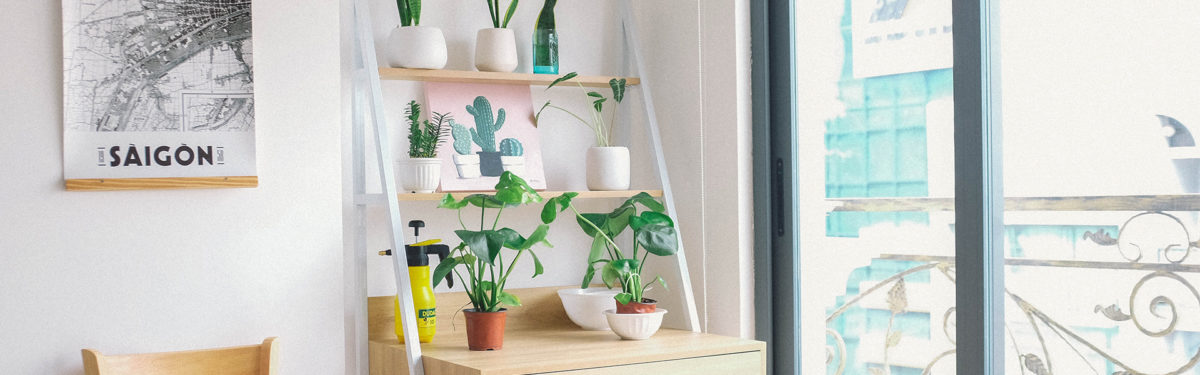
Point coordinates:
[(545, 41)]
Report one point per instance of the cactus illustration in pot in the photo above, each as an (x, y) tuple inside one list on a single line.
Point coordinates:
[(484, 135), (466, 163), (512, 155)]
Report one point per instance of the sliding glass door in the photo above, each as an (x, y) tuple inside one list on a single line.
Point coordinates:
[(1094, 106)]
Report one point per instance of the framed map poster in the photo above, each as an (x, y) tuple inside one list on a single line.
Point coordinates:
[(158, 94)]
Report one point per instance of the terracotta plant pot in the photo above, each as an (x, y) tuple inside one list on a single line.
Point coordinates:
[(485, 330), (645, 307)]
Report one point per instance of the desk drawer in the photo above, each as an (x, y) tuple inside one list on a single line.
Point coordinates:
[(737, 363)]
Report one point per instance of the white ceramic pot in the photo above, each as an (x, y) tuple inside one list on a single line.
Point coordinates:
[(467, 165), (514, 164), (635, 326), (586, 307), (496, 50), (421, 175), (417, 47), (608, 168)]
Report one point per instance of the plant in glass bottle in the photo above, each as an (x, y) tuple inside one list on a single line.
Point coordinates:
[(545, 41)]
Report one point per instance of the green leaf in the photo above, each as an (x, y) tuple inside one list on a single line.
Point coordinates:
[(647, 201), (448, 201), (514, 191), (512, 239), (556, 205), (538, 236), (538, 269), (483, 200), (588, 277), (561, 79), (484, 244), (414, 11), (598, 104), (598, 220), (618, 220), (658, 239), (509, 299), (595, 94), (650, 217), (623, 298), (609, 275), (444, 268), (618, 88), (598, 246), (512, 8), (625, 266)]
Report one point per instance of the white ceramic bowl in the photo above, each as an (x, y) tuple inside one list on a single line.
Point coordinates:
[(586, 307), (635, 326)]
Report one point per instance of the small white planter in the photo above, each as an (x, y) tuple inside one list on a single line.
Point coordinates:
[(586, 307), (635, 326), (467, 165), (608, 168), (496, 50), (421, 175), (417, 47), (514, 164)]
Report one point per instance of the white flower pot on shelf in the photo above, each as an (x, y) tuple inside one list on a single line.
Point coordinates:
[(416, 47), (496, 50), (586, 307), (514, 164), (467, 165), (608, 168), (635, 326), (420, 175)]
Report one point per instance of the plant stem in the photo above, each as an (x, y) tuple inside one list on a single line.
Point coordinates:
[(497, 222), (460, 221), (593, 225)]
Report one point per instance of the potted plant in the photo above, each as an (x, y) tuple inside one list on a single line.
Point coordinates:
[(607, 165), (411, 45), (484, 135), (465, 162), (480, 255), (422, 171), (512, 156), (496, 48), (635, 317)]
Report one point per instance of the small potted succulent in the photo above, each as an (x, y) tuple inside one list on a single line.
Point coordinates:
[(411, 45), (635, 316), (480, 255), (465, 161), (496, 48), (421, 172), (607, 165)]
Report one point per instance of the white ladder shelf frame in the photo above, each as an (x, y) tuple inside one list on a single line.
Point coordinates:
[(367, 99)]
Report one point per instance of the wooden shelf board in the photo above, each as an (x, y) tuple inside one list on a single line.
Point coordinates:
[(103, 184), (412, 197), (465, 76)]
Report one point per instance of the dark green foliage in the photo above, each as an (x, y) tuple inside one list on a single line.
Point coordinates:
[(424, 141)]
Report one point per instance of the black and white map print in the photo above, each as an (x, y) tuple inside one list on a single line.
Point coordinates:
[(158, 88)]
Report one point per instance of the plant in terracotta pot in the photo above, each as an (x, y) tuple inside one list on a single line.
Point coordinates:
[(411, 45), (607, 165), (653, 234), (496, 48), (481, 255), (422, 171)]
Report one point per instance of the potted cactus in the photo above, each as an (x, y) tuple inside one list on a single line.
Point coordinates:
[(607, 165), (411, 45), (484, 135), (465, 162), (421, 172), (496, 48), (512, 156)]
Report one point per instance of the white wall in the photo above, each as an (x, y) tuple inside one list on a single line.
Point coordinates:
[(696, 54), (144, 271)]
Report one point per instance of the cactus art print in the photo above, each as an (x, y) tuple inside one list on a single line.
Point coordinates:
[(492, 132)]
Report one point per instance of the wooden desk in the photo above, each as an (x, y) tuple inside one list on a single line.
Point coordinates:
[(541, 339)]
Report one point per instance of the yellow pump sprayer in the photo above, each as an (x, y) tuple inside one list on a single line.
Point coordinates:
[(422, 287)]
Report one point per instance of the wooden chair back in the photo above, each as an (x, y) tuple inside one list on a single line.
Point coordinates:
[(240, 360)]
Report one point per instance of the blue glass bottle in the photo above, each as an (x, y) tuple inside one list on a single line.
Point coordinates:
[(545, 41)]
